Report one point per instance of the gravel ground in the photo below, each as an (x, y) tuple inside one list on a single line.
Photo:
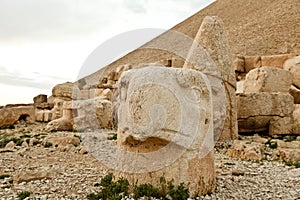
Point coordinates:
[(55, 173)]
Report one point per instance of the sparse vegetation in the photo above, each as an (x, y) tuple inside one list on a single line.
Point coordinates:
[(48, 144), (11, 126), (272, 144), (113, 136), (3, 176), (116, 190), (23, 195), (296, 163)]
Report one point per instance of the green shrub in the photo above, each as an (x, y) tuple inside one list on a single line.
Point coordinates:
[(146, 190), (116, 190), (178, 193), (111, 190), (23, 195)]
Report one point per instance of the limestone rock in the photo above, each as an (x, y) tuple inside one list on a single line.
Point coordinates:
[(65, 91), (293, 65), (27, 176), (267, 79), (43, 115), (10, 115), (239, 64), (93, 113), (42, 98), (246, 150), (265, 111), (62, 141), (10, 145), (295, 92), (64, 123), (57, 110), (296, 119), (213, 38), (165, 121), (39, 116), (252, 62), (239, 87), (274, 60)]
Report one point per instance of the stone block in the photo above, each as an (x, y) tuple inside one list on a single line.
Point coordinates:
[(265, 112), (275, 60), (10, 115), (252, 62), (293, 65), (267, 79), (42, 98)]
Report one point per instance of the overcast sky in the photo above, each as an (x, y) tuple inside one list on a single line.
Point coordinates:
[(45, 42)]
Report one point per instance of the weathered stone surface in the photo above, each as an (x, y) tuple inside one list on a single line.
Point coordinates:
[(65, 122), (296, 119), (93, 113), (163, 126), (288, 151), (265, 111), (57, 110), (240, 87), (293, 65), (10, 115), (39, 116), (213, 38), (295, 92), (275, 60), (43, 115), (239, 64), (65, 91), (267, 79), (27, 176), (42, 98), (246, 150), (61, 142), (252, 62)]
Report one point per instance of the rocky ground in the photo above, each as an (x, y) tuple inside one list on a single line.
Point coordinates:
[(57, 166)]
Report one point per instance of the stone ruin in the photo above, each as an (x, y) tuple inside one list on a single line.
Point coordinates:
[(258, 94)]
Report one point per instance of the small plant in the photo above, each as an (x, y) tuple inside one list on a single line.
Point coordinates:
[(36, 142), (113, 137), (23, 195), (290, 163), (297, 164), (111, 190), (18, 141), (48, 144), (178, 193), (117, 190), (146, 190), (11, 126), (289, 138), (272, 144), (3, 176)]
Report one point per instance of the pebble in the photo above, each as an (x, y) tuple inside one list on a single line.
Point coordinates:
[(79, 174)]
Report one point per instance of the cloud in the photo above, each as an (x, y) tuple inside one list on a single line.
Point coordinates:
[(50, 19), (33, 80), (136, 6)]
